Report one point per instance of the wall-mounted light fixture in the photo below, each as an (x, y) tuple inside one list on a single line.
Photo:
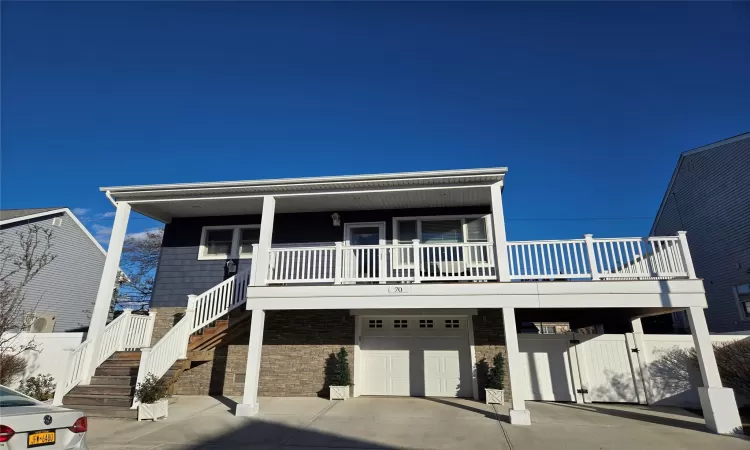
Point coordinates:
[(231, 267), (336, 219)]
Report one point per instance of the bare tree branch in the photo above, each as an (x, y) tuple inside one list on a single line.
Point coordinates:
[(17, 268), (140, 256)]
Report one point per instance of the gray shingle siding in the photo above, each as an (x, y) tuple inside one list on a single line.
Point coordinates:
[(181, 273), (66, 287), (710, 199)]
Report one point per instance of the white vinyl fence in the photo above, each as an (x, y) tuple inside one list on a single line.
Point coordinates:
[(614, 368), (50, 356)]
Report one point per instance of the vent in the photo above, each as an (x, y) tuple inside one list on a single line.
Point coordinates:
[(57, 221), (43, 323)]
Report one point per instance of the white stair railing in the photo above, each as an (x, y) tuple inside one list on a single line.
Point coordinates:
[(126, 332), (220, 299), (201, 311)]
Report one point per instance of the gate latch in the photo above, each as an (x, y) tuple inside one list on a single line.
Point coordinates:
[(635, 350), (582, 391)]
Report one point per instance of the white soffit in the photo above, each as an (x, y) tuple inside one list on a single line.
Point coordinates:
[(406, 190)]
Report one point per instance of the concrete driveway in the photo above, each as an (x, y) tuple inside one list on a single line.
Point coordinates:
[(389, 423)]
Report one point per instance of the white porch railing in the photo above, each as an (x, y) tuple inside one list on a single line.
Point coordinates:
[(382, 263), (127, 332), (608, 259), (594, 259)]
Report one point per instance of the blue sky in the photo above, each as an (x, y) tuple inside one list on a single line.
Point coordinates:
[(588, 104)]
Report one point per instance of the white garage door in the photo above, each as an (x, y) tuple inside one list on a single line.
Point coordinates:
[(415, 356)]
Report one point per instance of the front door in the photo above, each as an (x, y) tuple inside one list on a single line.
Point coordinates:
[(363, 258)]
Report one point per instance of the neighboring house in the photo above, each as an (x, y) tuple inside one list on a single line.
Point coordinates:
[(64, 291), (259, 282), (709, 197)]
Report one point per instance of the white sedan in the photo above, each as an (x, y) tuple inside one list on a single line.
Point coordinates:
[(28, 423)]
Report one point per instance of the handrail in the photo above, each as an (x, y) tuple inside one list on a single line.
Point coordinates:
[(220, 299)]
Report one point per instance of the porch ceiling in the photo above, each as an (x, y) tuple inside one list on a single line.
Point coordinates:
[(167, 209)]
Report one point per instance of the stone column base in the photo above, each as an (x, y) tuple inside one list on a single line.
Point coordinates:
[(720, 410), (520, 417), (246, 410)]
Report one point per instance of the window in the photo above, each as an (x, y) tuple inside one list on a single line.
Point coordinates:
[(407, 231), (426, 323), (228, 242), (442, 231), (452, 323), (742, 292), (375, 323), (400, 323), (449, 229), (548, 329)]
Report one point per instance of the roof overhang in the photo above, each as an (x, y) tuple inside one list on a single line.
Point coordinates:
[(383, 191)]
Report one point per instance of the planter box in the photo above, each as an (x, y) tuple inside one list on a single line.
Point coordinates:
[(494, 396), (339, 392), (154, 410)]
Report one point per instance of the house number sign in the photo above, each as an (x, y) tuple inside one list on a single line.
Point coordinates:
[(398, 290)]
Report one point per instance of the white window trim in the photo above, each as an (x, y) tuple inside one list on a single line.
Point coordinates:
[(487, 228), (234, 249), (743, 314), (349, 225)]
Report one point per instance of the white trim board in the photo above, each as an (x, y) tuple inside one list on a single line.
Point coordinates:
[(234, 250)]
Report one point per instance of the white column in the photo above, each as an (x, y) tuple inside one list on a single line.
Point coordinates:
[(498, 232), (249, 405), (106, 286), (519, 415), (718, 403), (641, 362), (264, 241)]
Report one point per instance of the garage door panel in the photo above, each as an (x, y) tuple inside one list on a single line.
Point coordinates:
[(435, 366)]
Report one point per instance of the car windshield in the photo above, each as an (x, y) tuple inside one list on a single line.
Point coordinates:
[(10, 397)]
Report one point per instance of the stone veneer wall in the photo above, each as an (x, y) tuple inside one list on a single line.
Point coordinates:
[(489, 339), (166, 318), (296, 345)]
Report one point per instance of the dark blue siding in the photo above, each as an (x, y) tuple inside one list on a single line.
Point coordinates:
[(181, 273)]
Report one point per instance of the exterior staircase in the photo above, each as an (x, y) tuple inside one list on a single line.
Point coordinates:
[(112, 387), (209, 319)]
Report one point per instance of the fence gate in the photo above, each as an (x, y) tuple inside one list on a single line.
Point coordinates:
[(574, 367)]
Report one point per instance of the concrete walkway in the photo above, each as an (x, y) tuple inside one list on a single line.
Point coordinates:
[(389, 423)]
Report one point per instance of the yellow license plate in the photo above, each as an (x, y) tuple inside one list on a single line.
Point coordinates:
[(39, 438)]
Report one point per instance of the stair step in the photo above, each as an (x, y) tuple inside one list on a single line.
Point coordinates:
[(113, 380), (105, 411), (103, 389), (97, 400), (125, 355), (121, 363), (116, 371)]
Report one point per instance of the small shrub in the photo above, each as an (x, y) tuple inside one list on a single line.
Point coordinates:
[(733, 359), (496, 374), (151, 389), (40, 387), (340, 375), (11, 368)]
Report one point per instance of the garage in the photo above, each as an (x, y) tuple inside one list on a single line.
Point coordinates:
[(415, 356)]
